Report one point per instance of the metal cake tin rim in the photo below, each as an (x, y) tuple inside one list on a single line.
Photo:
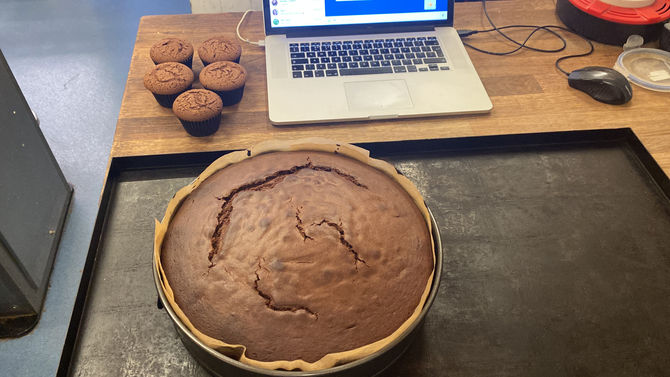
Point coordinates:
[(437, 273)]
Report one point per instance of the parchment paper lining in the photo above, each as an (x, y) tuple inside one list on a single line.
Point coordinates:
[(237, 351)]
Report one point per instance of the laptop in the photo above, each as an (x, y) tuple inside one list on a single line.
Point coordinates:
[(341, 60)]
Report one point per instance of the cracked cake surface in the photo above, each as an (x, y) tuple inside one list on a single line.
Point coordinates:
[(296, 255)]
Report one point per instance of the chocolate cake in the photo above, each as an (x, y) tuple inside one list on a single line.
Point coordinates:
[(297, 255)]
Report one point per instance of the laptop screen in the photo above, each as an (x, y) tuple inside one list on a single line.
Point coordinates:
[(301, 13)]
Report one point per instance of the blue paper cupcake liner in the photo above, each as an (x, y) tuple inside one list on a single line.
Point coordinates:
[(202, 128)]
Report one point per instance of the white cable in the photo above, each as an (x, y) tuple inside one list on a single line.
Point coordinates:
[(259, 43)]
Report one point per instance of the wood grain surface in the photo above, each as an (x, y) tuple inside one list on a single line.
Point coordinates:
[(528, 93)]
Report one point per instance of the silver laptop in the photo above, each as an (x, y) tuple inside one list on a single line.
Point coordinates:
[(334, 60)]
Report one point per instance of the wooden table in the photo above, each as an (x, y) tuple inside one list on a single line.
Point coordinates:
[(528, 94)]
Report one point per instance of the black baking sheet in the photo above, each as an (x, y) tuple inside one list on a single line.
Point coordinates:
[(557, 260)]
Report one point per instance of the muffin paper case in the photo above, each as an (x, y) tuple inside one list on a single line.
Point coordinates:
[(205, 64), (203, 128), (167, 100), (231, 97), (188, 62), (237, 351)]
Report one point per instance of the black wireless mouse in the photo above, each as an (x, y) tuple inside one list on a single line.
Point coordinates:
[(603, 84)]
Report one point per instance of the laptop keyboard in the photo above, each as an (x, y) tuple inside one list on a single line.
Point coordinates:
[(366, 57)]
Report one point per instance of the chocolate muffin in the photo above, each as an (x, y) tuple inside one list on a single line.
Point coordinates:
[(199, 111), (172, 50), (166, 81), (219, 48), (225, 78), (296, 256)]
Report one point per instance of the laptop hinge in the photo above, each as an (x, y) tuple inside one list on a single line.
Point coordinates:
[(373, 29)]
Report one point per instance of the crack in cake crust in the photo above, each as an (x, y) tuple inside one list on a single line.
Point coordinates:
[(223, 218), (343, 241), (300, 226), (342, 174), (270, 302)]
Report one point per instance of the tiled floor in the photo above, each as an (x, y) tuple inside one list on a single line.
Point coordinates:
[(70, 59)]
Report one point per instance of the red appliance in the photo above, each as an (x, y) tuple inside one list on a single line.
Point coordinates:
[(613, 21)]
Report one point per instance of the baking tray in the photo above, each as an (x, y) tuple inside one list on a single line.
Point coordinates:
[(556, 246)]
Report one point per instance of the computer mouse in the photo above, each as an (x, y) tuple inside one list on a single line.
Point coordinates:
[(603, 84)]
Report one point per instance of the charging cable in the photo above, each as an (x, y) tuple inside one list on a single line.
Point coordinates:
[(464, 33), (260, 43)]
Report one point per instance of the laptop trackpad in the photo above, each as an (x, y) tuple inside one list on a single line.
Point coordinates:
[(377, 95)]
